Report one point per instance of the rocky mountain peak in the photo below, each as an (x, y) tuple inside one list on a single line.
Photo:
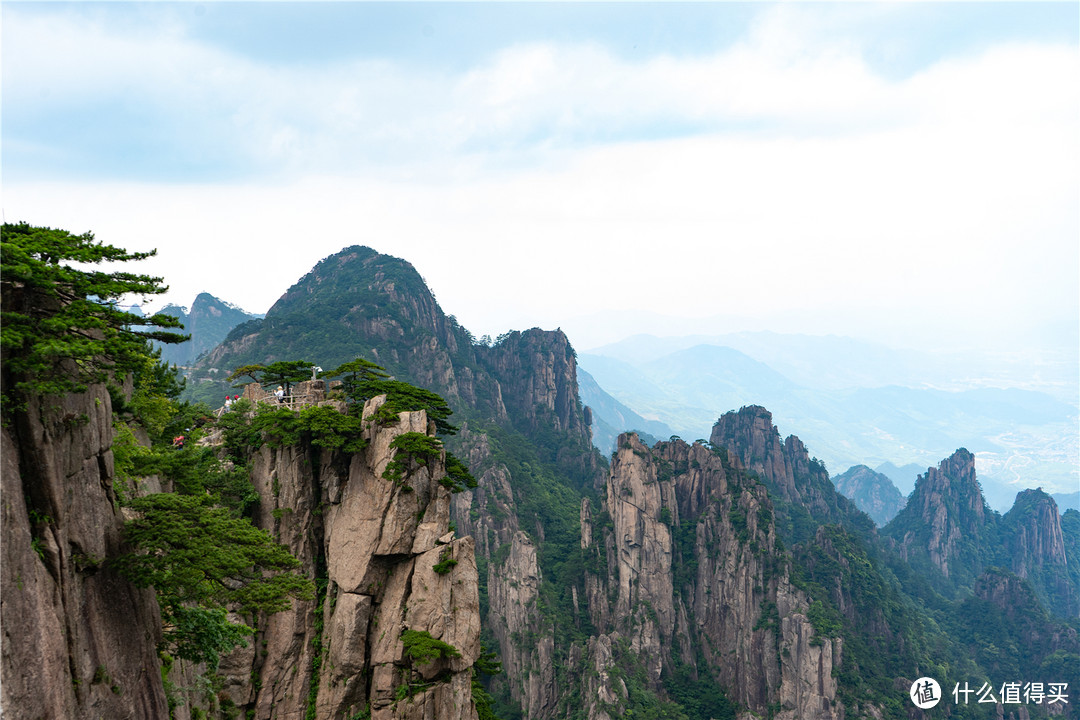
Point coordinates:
[(358, 273), (537, 370), (1035, 545), (873, 493), (952, 486), (690, 552), (946, 518), (209, 320), (799, 483)]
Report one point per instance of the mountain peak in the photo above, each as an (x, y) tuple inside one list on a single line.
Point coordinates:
[(872, 492), (357, 274), (800, 484), (208, 320), (946, 517)]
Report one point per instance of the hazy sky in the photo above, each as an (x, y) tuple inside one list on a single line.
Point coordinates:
[(905, 172)]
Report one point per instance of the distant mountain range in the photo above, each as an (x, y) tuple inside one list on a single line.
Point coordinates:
[(902, 477), (208, 321), (872, 492), (1021, 437), (610, 417), (686, 578)]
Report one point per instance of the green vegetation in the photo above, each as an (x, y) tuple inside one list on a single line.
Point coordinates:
[(446, 563), (282, 372), (423, 649), (60, 327), (486, 666), (61, 331), (403, 397), (413, 450), (896, 620), (322, 582), (355, 377)]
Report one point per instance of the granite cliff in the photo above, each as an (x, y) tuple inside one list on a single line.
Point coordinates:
[(695, 583), (79, 640), (948, 528), (386, 562), (800, 484), (723, 579)]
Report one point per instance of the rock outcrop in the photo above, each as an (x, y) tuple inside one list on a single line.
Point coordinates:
[(386, 562), (946, 520), (805, 496), (1035, 544), (79, 641), (208, 321), (697, 583)]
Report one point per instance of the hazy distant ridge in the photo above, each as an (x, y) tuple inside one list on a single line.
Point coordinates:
[(1021, 437)]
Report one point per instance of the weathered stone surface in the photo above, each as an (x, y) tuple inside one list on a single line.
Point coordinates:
[(762, 660), (604, 693), (79, 641), (807, 687), (1035, 547), (451, 699), (513, 588), (447, 604), (379, 541), (949, 500), (645, 604)]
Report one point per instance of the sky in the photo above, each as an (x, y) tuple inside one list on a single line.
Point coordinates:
[(907, 173)]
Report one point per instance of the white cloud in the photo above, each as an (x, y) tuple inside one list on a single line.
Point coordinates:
[(810, 184)]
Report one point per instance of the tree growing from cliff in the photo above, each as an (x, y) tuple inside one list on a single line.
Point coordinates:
[(403, 397), (354, 374), (202, 560), (60, 326)]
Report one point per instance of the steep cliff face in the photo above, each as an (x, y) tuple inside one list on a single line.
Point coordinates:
[(538, 375), (872, 492), (1037, 540), (386, 562), (1034, 541), (79, 641), (528, 646), (946, 521), (523, 428), (946, 527), (699, 585), (805, 497)]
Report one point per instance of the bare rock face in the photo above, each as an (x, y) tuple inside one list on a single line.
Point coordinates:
[(693, 565), (527, 646), (487, 511), (386, 562), (1038, 540), (785, 466), (945, 517), (644, 607), (538, 374), (604, 691), (79, 641), (1035, 546)]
